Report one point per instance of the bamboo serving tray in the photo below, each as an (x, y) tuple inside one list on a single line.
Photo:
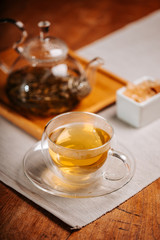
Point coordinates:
[(102, 95)]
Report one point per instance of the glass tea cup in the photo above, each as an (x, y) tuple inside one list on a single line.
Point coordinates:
[(76, 147)]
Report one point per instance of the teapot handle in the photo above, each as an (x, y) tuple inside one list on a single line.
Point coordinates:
[(20, 26)]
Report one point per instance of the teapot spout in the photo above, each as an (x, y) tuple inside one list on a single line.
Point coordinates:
[(91, 68)]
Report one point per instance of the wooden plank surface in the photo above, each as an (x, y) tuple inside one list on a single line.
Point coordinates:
[(78, 23)]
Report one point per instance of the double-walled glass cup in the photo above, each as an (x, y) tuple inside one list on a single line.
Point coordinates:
[(76, 157), (76, 147)]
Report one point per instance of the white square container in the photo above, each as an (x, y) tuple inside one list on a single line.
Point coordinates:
[(138, 114)]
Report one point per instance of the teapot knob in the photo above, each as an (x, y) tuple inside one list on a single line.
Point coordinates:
[(44, 29)]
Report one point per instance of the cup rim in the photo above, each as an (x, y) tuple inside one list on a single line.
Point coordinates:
[(79, 150)]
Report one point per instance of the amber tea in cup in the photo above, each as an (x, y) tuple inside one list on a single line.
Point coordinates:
[(77, 146), (80, 136)]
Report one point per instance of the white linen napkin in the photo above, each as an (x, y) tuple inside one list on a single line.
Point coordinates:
[(142, 143)]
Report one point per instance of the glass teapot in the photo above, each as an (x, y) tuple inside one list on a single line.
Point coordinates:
[(46, 79)]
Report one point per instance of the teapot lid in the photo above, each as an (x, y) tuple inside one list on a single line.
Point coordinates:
[(44, 48)]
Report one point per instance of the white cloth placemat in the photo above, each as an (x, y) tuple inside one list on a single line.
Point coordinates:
[(142, 143), (132, 51)]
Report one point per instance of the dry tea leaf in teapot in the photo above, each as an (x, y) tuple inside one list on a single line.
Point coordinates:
[(40, 92)]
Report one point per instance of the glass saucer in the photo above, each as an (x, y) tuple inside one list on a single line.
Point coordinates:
[(43, 178)]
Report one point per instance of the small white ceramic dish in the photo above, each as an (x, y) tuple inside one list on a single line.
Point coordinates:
[(138, 114)]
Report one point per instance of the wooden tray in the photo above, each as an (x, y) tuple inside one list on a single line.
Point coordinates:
[(102, 95)]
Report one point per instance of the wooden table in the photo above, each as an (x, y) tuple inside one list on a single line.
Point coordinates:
[(78, 22)]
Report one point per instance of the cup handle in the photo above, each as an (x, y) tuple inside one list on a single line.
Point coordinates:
[(117, 170)]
